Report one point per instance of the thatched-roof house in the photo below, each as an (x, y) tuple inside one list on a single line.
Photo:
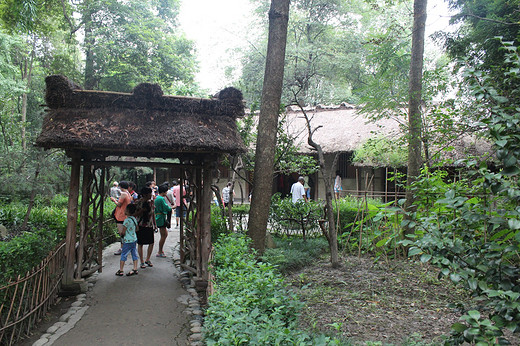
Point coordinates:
[(100, 129), (342, 130)]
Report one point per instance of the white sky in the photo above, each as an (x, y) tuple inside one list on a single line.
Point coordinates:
[(219, 26)]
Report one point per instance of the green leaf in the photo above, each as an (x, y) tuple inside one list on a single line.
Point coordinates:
[(459, 327), (472, 284), (425, 258), (514, 224), (474, 314), (455, 277), (414, 251)]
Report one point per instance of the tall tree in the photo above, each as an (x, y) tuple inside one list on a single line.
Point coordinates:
[(268, 123), (35, 19), (414, 104), (133, 41), (475, 41)]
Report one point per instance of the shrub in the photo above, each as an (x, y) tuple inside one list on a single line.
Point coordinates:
[(251, 305), (292, 253), (369, 226), (218, 223), (286, 217), (24, 252)]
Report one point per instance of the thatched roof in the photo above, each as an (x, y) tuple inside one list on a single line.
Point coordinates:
[(143, 123), (344, 129)]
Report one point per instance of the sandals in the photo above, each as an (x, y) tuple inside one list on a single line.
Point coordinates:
[(119, 273), (148, 263), (132, 272), (161, 255), (143, 265)]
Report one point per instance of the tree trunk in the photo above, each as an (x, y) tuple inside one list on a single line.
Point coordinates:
[(90, 79), (327, 179), (414, 111), (268, 123), (27, 75)]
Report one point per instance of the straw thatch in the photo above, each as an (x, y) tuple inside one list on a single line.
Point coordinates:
[(343, 129), (142, 123)]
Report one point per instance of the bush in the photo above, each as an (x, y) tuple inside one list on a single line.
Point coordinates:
[(218, 223), (26, 248), (24, 252), (287, 218), (251, 305), (293, 253)]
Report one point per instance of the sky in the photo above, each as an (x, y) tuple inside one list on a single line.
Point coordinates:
[(220, 26)]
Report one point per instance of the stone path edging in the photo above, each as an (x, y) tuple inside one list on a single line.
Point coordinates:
[(68, 320)]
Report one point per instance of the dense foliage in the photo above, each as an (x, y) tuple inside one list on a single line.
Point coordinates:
[(286, 217), (472, 231), (24, 248), (251, 305), (109, 45)]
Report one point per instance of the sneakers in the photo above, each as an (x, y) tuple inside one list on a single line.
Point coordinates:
[(118, 252)]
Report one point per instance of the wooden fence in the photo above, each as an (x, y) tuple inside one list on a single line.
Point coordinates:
[(25, 301)]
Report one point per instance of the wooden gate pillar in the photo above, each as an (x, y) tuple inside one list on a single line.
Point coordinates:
[(205, 208), (70, 286)]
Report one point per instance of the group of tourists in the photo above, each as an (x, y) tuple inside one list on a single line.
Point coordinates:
[(139, 216)]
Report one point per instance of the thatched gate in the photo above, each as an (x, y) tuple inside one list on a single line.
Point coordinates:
[(99, 130)]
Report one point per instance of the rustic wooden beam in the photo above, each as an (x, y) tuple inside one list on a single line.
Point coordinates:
[(199, 235), (72, 218), (205, 208), (83, 223), (138, 164)]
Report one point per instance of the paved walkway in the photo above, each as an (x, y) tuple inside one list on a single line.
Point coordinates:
[(144, 309)]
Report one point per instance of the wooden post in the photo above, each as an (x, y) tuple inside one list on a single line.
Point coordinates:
[(181, 222), (205, 208), (198, 230), (83, 223), (69, 285), (357, 181), (101, 189), (386, 184)]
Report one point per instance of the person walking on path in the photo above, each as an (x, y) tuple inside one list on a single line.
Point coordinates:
[(119, 213), (337, 185), (298, 191), (161, 212), (227, 194), (170, 200), (180, 202), (114, 190), (129, 235), (146, 233)]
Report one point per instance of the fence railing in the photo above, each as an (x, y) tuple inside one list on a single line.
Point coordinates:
[(24, 301)]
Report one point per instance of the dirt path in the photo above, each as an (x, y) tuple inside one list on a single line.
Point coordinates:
[(389, 302)]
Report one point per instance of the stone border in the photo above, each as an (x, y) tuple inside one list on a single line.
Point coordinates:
[(193, 309), (68, 320)]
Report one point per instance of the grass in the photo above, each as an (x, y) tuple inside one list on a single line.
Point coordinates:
[(293, 253)]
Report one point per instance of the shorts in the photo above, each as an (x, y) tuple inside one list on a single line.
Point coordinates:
[(178, 211), (145, 236), (129, 247)]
